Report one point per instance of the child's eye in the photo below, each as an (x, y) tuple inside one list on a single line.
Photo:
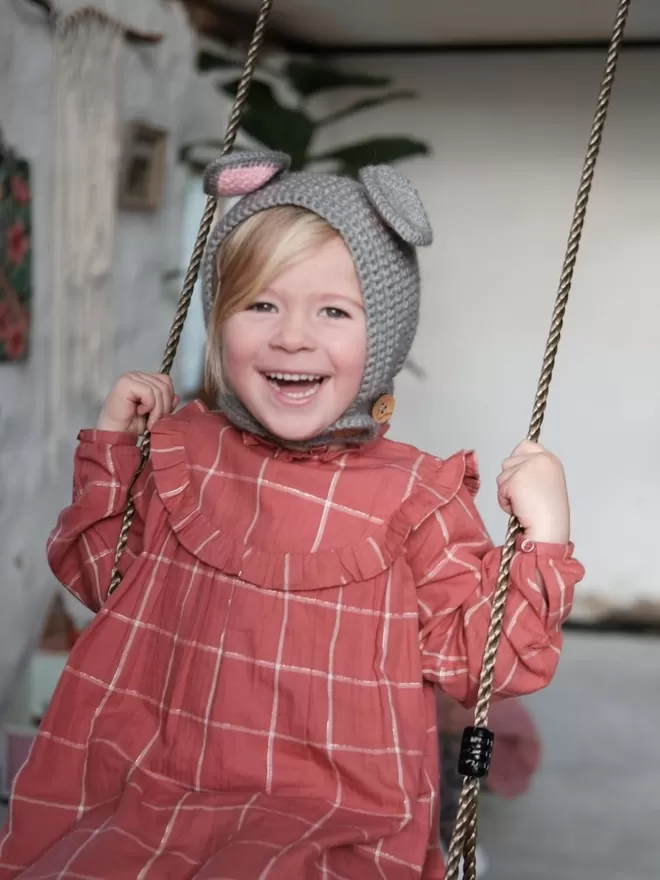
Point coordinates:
[(261, 307), (333, 312)]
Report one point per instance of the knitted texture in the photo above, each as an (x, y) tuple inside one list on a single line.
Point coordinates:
[(240, 173), (380, 218)]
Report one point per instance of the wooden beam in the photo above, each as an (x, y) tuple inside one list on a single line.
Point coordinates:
[(217, 21)]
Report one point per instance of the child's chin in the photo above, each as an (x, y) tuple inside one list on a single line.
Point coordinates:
[(300, 433), (297, 436)]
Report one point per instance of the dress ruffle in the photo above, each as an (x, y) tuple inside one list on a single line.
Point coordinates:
[(205, 530)]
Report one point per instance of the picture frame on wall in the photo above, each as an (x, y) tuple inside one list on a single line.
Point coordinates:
[(142, 174)]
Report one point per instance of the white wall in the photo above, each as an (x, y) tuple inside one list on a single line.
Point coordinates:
[(509, 133), (155, 84)]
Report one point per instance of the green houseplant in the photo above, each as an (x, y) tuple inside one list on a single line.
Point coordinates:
[(294, 128)]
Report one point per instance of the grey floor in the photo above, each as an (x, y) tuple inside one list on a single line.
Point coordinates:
[(593, 812)]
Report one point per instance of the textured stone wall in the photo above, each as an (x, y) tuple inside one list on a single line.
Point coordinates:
[(156, 87)]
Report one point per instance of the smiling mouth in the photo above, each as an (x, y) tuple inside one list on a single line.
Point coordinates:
[(295, 386)]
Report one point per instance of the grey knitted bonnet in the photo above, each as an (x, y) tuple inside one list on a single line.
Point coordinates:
[(380, 218)]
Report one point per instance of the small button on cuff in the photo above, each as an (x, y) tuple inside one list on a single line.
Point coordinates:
[(528, 546)]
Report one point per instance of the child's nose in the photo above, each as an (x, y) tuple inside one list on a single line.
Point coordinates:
[(293, 334)]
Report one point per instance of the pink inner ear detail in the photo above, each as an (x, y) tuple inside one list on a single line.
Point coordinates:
[(241, 181)]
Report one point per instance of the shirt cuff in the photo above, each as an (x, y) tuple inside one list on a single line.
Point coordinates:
[(107, 438), (545, 550)]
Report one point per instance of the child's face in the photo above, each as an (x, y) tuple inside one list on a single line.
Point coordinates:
[(296, 356)]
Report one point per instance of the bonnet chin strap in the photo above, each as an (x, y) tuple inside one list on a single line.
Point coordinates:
[(238, 108), (477, 742)]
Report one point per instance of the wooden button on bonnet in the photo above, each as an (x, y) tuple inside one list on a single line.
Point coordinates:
[(383, 409)]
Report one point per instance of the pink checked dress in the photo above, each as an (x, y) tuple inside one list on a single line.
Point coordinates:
[(256, 701)]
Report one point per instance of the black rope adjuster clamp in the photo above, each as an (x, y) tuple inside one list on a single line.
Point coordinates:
[(476, 752)]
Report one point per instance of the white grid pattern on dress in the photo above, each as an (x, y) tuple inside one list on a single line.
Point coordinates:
[(159, 613)]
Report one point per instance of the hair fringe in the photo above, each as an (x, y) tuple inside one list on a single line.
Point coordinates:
[(247, 262)]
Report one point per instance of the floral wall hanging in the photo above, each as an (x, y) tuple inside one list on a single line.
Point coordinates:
[(15, 255)]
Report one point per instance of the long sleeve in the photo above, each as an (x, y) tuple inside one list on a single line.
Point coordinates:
[(455, 567), (81, 548)]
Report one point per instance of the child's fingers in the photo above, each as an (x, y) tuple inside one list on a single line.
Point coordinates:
[(166, 388), (166, 399), (522, 452), (505, 483), (515, 461), (164, 382), (504, 486), (152, 395), (508, 472), (160, 406), (527, 447), (143, 396), (147, 397)]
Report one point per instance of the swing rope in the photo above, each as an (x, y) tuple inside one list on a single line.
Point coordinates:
[(176, 329), (478, 740)]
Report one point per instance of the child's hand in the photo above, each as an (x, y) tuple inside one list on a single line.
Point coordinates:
[(532, 486), (136, 402)]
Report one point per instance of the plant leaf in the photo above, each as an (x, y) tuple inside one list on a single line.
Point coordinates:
[(273, 125), (411, 366), (185, 150), (374, 151), (310, 78), (172, 275), (366, 104), (212, 61)]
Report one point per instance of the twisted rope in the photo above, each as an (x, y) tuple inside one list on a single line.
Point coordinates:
[(463, 842), (233, 125)]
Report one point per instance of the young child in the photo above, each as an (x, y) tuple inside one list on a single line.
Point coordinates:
[(256, 700)]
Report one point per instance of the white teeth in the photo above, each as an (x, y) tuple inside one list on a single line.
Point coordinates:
[(294, 377), (298, 395), (302, 392)]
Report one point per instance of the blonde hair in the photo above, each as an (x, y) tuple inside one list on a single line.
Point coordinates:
[(248, 261)]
